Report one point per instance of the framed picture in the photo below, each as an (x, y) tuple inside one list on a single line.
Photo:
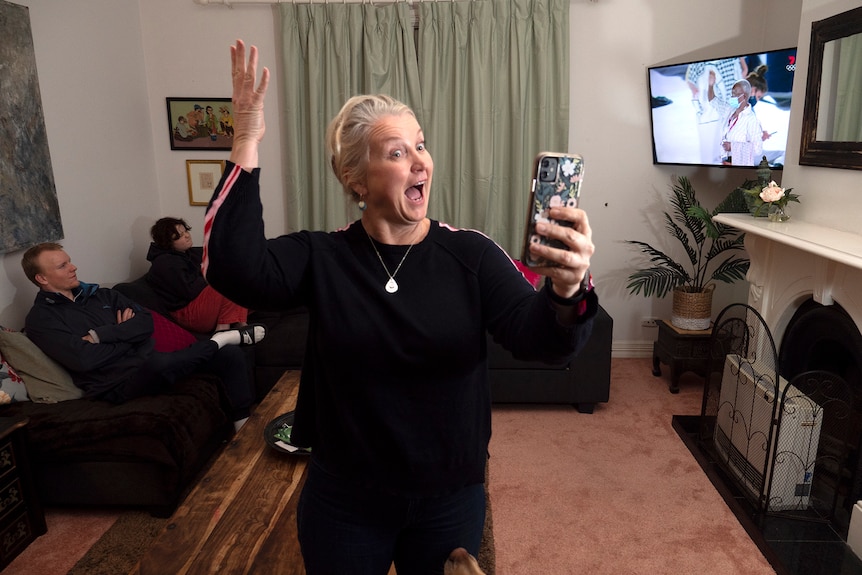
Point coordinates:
[(204, 176), (200, 123)]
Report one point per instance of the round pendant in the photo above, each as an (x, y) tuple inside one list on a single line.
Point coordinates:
[(391, 286)]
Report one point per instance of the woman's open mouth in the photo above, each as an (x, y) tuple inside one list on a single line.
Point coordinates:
[(415, 193)]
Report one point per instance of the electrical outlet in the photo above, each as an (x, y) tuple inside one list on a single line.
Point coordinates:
[(649, 322)]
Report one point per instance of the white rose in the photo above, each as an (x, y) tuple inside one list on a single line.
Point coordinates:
[(772, 193)]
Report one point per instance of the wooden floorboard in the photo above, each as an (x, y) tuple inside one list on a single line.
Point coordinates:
[(241, 517)]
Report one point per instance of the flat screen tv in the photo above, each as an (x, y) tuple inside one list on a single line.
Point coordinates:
[(690, 128)]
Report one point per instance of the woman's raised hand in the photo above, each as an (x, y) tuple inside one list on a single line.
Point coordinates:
[(248, 121)]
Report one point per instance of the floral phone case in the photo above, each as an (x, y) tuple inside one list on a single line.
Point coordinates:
[(556, 182)]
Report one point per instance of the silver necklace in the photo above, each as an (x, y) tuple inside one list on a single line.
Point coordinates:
[(392, 285)]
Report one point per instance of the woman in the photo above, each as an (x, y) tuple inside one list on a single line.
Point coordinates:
[(759, 88), (742, 136), (394, 396), (175, 275)]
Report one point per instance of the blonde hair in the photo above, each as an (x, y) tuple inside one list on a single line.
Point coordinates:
[(347, 136)]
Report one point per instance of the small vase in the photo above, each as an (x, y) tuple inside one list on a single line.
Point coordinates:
[(777, 214)]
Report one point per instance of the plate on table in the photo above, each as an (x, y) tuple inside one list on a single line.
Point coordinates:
[(277, 435)]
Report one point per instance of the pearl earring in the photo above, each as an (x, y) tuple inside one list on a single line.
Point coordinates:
[(362, 205)]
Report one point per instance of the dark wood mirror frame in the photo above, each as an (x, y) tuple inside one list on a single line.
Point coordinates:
[(815, 152)]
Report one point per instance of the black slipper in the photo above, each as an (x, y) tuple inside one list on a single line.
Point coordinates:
[(246, 334)]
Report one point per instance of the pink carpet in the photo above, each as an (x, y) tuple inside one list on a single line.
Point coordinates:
[(615, 492), (612, 492), (71, 532)]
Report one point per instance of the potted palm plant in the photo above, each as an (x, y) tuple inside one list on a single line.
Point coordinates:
[(711, 251)]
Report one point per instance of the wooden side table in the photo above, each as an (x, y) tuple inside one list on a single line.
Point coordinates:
[(682, 349), (21, 517)]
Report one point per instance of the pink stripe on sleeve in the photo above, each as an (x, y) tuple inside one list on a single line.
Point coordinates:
[(229, 183)]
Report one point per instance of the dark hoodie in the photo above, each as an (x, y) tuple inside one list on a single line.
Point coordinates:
[(175, 276)]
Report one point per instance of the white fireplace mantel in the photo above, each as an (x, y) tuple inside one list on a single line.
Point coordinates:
[(844, 247), (794, 261)]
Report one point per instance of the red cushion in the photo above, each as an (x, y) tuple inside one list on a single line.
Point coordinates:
[(168, 335)]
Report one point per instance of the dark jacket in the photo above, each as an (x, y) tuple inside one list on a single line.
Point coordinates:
[(57, 325), (175, 276)]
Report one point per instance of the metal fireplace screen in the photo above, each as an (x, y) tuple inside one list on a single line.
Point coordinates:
[(784, 444)]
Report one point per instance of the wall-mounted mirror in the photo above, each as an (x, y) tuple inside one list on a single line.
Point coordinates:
[(832, 118)]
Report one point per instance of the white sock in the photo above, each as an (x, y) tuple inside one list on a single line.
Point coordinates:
[(233, 337), (222, 338), (239, 423)]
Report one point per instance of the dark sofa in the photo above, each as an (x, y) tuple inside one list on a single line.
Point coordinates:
[(143, 453), (584, 381), (147, 452), (282, 348)]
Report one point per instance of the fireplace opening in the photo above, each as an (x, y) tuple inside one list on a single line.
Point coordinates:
[(825, 338)]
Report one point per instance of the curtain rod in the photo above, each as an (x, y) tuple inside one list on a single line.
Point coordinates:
[(230, 3)]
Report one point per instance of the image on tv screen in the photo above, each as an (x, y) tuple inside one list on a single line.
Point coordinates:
[(700, 115)]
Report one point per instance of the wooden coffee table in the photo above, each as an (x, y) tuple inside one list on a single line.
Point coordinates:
[(241, 517)]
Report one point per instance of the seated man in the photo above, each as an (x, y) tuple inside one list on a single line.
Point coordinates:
[(105, 339)]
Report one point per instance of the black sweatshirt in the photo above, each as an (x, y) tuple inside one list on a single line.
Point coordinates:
[(394, 391)]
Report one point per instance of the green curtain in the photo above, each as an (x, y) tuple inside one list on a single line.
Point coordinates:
[(848, 104), (331, 52), (495, 78)]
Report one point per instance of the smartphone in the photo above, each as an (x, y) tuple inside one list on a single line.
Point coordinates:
[(556, 182)]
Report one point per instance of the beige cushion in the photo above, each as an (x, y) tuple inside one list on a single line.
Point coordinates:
[(46, 380)]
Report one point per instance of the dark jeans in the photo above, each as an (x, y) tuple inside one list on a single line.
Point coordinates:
[(349, 530), (162, 369)]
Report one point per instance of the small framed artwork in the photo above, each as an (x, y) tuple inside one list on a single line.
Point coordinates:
[(204, 176), (200, 123)]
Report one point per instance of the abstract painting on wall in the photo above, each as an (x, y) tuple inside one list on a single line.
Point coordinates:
[(29, 210)]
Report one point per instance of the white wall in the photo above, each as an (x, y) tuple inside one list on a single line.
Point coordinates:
[(187, 54), (612, 44), (94, 95), (105, 68)]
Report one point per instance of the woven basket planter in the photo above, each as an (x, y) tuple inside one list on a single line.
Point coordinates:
[(692, 310)]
